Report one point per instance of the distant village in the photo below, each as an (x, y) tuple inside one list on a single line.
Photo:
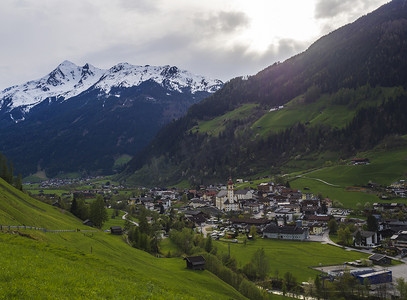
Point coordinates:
[(276, 210)]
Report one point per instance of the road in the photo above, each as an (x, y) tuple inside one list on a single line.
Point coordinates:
[(204, 229), (398, 271), (124, 218)]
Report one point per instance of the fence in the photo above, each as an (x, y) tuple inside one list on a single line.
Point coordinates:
[(42, 229)]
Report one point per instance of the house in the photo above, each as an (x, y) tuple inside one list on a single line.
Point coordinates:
[(400, 239), (265, 187), (367, 238), (285, 232), (392, 207), (284, 213), (117, 230), (319, 218), (210, 195), (197, 202), (380, 259), (360, 161), (244, 194), (195, 216), (251, 206), (242, 223), (316, 228), (195, 262)]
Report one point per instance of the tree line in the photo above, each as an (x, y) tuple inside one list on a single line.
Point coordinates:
[(7, 173), (95, 211)]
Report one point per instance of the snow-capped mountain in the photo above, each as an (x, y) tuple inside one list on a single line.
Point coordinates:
[(82, 119), (66, 81), (126, 75), (69, 80)]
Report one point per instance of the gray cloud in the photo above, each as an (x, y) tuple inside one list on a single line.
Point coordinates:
[(350, 8), (144, 6), (185, 51), (209, 39), (223, 22), (331, 8)]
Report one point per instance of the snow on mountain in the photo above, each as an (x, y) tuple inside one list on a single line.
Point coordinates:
[(126, 75), (69, 80)]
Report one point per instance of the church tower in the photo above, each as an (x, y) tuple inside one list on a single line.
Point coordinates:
[(231, 193)]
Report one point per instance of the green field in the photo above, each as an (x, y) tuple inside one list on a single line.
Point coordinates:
[(291, 256), (122, 160), (217, 125), (17, 208), (385, 167), (323, 111), (117, 221), (285, 256), (86, 265)]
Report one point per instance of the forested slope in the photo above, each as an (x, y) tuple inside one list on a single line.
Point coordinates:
[(348, 70)]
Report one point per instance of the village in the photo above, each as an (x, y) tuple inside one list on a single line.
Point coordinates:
[(276, 210), (281, 212), (269, 210)]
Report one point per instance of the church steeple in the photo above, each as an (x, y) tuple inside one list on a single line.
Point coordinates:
[(230, 191)]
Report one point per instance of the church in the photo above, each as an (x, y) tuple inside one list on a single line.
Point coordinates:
[(226, 199)]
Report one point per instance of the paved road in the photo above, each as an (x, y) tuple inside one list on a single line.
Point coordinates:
[(398, 271), (124, 218)]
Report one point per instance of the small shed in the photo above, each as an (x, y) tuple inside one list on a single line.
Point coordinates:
[(88, 222), (195, 262), (380, 259), (116, 230)]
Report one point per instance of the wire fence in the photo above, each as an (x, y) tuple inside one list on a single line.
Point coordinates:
[(18, 227)]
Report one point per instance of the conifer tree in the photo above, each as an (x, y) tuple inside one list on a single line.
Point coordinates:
[(98, 213), (19, 182), (74, 207)]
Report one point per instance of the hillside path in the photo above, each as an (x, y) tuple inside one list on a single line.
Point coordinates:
[(320, 180), (124, 218)]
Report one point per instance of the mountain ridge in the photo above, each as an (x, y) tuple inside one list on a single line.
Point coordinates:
[(111, 113), (68, 80)]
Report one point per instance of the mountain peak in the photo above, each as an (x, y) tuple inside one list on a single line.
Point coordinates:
[(67, 64), (68, 80), (173, 78)]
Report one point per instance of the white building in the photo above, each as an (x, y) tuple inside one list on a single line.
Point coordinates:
[(226, 200)]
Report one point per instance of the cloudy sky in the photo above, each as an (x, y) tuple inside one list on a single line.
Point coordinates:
[(217, 38)]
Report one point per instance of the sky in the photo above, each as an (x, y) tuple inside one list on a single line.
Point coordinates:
[(220, 39)]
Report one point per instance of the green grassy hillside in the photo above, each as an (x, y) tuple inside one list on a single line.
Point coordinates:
[(17, 208), (386, 166), (218, 124), (86, 265), (335, 110)]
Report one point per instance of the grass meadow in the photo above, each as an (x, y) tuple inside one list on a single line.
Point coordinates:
[(217, 125), (86, 265), (291, 256), (385, 168)]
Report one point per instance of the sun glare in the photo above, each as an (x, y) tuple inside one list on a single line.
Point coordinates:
[(272, 21)]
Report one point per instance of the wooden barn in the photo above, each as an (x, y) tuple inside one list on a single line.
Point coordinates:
[(195, 262)]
